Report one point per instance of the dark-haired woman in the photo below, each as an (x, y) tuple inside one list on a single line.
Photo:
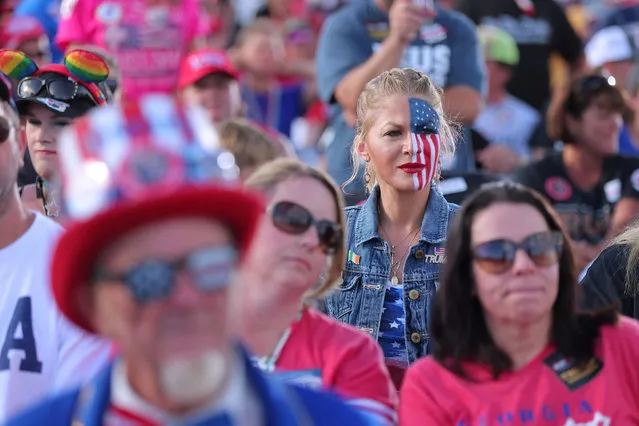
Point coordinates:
[(594, 190), (509, 345)]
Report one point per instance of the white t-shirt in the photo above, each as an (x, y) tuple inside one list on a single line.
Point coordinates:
[(510, 122), (40, 350)]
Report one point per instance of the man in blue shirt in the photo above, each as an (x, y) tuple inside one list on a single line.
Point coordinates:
[(368, 37)]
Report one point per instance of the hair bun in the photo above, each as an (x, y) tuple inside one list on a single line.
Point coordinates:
[(86, 66), (16, 64)]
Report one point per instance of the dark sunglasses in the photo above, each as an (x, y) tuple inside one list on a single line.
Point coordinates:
[(592, 83), (152, 280), (294, 219), (60, 90), (496, 257)]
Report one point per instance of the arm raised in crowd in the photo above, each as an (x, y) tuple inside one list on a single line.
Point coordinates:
[(352, 67), (462, 95)]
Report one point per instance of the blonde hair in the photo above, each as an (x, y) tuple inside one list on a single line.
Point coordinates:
[(250, 145), (269, 176), (398, 81), (630, 237)]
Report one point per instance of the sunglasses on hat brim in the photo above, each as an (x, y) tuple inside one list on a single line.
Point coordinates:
[(60, 90)]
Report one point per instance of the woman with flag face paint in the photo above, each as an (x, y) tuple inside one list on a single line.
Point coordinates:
[(395, 239), (49, 99), (296, 258)]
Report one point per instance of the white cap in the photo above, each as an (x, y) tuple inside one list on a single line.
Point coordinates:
[(610, 44)]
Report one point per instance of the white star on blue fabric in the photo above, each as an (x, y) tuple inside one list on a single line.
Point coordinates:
[(423, 117)]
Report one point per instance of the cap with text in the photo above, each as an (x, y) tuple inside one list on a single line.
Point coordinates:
[(197, 65)]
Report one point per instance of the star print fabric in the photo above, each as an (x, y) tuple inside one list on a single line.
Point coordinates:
[(391, 330)]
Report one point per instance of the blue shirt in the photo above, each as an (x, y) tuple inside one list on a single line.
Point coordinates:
[(391, 329), (276, 109), (626, 147), (284, 405), (361, 297), (47, 12), (446, 49)]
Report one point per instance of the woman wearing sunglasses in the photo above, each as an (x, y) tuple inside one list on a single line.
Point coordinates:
[(296, 258), (49, 99), (509, 345), (594, 190), (395, 240)]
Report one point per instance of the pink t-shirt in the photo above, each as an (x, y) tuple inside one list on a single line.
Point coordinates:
[(547, 392), (147, 38), (321, 352)]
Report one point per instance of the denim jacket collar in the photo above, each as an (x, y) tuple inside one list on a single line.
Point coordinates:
[(433, 225)]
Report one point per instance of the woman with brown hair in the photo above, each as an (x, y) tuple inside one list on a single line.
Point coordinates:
[(296, 258), (509, 344), (594, 190)]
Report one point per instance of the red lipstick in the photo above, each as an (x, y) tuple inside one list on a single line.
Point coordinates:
[(412, 168)]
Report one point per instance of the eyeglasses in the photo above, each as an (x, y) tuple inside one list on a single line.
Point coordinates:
[(153, 280), (60, 90), (498, 256), (294, 219)]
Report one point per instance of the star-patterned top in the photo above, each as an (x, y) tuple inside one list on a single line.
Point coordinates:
[(391, 329), (423, 117)]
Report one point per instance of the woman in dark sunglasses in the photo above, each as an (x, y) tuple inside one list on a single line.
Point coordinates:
[(296, 259), (49, 99), (510, 346), (594, 190)]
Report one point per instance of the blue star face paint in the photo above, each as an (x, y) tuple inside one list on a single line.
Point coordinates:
[(424, 135)]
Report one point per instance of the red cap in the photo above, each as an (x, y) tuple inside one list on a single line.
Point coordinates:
[(20, 29), (201, 63)]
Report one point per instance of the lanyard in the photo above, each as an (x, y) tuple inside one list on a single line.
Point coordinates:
[(267, 363)]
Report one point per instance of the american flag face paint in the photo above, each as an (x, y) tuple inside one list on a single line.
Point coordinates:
[(424, 135)]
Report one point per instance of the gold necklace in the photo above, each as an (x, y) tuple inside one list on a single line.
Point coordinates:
[(396, 265)]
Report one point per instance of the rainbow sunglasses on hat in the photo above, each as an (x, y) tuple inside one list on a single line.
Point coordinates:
[(82, 68)]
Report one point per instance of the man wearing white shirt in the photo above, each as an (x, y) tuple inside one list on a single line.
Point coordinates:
[(40, 351)]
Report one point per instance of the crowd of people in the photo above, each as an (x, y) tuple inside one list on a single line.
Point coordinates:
[(319, 212)]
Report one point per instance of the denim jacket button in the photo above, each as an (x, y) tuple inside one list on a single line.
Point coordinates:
[(419, 254), (413, 294), (416, 337)]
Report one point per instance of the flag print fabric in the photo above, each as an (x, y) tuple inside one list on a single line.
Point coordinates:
[(424, 134)]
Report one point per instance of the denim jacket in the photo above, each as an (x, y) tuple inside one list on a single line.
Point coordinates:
[(359, 298)]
